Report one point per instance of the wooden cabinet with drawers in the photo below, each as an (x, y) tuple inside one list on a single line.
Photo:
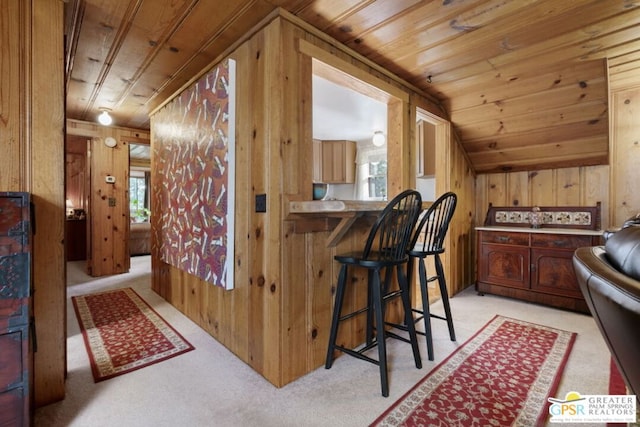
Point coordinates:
[(532, 264), (15, 310)]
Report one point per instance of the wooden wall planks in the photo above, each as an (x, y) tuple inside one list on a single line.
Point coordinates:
[(276, 318), (550, 187), (46, 183), (32, 160), (625, 154)]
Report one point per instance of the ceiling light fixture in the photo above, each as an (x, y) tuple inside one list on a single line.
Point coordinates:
[(378, 138), (104, 118)]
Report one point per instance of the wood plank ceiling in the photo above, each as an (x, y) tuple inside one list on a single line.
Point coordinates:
[(525, 82)]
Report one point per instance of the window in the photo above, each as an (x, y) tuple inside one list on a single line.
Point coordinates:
[(138, 196), (378, 180)]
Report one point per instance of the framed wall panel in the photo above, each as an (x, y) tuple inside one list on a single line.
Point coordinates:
[(194, 142)]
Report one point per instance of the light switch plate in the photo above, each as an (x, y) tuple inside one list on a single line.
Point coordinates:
[(261, 202)]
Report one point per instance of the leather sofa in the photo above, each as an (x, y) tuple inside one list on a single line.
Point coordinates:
[(609, 278)]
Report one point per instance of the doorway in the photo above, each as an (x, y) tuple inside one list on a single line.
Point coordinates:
[(76, 197), (139, 199)]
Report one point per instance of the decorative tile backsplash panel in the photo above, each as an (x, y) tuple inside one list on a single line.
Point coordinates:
[(548, 218)]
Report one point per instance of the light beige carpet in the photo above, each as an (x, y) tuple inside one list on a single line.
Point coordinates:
[(211, 387)]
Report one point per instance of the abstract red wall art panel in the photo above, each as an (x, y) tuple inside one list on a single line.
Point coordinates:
[(193, 146)]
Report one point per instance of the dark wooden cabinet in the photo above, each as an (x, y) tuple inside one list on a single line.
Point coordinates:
[(532, 265), (535, 264), (16, 371)]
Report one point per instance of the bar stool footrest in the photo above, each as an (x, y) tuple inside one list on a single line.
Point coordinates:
[(358, 353)]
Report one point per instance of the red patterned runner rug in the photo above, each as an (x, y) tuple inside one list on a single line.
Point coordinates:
[(502, 376), (123, 333), (616, 386)]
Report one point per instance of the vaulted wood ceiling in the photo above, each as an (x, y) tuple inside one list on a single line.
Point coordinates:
[(524, 81)]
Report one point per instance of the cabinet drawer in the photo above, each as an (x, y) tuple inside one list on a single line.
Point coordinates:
[(12, 372), (560, 241), (505, 238), (13, 215), (13, 407)]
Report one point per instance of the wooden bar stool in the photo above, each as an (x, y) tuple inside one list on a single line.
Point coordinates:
[(386, 248), (428, 240)]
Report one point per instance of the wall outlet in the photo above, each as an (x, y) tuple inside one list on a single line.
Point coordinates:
[(261, 202)]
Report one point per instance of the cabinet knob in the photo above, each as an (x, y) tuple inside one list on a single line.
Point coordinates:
[(503, 239)]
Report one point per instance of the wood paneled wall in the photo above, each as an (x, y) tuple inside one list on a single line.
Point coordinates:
[(277, 317), (625, 153), (108, 210), (32, 160), (614, 185), (550, 187)]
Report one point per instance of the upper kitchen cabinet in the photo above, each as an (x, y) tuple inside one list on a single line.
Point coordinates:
[(336, 161), (317, 161), (426, 144)]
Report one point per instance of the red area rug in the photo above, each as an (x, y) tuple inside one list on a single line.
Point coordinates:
[(123, 333), (616, 387), (502, 376)]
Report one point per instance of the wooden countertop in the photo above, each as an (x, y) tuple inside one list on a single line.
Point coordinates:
[(543, 230), (347, 210), (322, 206)]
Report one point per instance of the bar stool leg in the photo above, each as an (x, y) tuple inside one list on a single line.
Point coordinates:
[(445, 297), (369, 326), (426, 313), (380, 333), (337, 309), (408, 316)]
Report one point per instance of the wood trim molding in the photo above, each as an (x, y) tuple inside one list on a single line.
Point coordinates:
[(350, 72)]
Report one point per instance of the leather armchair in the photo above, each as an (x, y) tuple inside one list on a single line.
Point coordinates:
[(609, 278), (634, 220)]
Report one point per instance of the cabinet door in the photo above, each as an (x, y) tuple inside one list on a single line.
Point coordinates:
[(338, 162), (14, 377), (12, 407), (504, 265), (552, 272), (317, 160), (426, 144)]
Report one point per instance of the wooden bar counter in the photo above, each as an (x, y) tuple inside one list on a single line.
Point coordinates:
[(336, 215)]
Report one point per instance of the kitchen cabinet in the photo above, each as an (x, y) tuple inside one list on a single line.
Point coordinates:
[(426, 149), (337, 161), (317, 161), (16, 371), (533, 264)]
